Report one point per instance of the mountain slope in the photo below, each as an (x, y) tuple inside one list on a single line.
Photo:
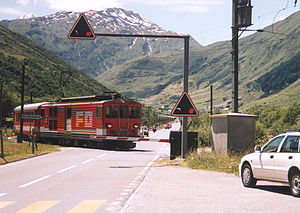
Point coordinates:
[(269, 64), (95, 57), (46, 76)]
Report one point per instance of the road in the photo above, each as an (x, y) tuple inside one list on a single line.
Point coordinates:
[(178, 190), (93, 180), (74, 178), (164, 133)]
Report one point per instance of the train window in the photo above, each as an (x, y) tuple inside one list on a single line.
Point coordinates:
[(53, 124), (98, 112), (50, 124), (53, 112), (123, 111), (53, 118), (69, 113), (134, 112), (111, 112)]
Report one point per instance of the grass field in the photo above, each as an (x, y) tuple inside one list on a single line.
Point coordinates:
[(208, 161), (14, 151)]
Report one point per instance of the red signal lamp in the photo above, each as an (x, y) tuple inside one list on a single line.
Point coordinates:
[(191, 111), (88, 34)]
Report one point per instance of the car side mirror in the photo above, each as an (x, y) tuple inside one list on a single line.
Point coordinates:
[(257, 149)]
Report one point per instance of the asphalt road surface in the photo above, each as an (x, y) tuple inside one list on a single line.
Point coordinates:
[(92, 180), (76, 179)]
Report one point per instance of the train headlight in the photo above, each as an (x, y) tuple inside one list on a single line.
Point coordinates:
[(109, 125), (136, 126)]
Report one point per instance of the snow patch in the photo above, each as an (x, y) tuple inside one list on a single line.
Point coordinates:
[(27, 16)]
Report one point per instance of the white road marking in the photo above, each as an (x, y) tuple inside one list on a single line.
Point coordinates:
[(60, 171), (115, 203), (100, 156), (147, 168), (120, 198), (34, 181), (66, 169), (3, 194), (84, 162)]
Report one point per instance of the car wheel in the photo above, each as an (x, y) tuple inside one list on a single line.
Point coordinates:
[(247, 176), (295, 185)]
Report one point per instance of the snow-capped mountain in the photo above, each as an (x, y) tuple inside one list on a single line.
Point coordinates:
[(95, 57), (26, 16), (112, 19)]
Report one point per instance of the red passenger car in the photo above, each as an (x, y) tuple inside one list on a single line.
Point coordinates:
[(83, 121)]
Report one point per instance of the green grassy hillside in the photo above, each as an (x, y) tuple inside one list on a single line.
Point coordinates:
[(47, 76), (269, 66), (97, 56)]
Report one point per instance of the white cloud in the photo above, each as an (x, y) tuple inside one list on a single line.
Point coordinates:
[(23, 2), (82, 5), (178, 2), (10, 11), (198, 6), (172, 5)]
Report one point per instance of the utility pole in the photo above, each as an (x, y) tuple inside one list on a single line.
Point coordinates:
[(235, 58), (241, 17), (20, 139), (211, 99), (1, 118)]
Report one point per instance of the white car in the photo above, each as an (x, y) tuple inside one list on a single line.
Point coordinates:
[(278, 160)]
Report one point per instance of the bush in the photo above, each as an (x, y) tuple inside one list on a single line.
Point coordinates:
[(273, 120), (261, 136), (292, 115), (201, 124)]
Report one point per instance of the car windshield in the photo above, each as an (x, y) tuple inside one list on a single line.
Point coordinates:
[(273, 145)]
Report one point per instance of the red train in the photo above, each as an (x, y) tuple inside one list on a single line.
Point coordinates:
[(93, 121)]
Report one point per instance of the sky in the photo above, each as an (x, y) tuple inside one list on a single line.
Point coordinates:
[(207, 21)]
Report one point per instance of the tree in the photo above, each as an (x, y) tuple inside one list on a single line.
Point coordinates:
[(292, 114), (10, 101)]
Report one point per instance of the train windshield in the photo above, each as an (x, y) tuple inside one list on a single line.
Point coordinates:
[(134, 112), (123, 111), (111, 112)]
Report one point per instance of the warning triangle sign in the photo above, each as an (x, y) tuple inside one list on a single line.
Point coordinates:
[(184, 107), (81, 29)]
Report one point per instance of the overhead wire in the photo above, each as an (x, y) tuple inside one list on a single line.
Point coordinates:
[(287, 4), (276, 12)]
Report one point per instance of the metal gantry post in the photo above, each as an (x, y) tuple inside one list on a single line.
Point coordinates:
[(185, 89), (185, 73), (20, 139), (83, 30)]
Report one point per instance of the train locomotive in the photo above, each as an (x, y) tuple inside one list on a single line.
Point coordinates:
[(93, 121)]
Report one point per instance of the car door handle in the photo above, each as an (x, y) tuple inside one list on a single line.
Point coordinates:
[(290, 157), (272, 156)]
